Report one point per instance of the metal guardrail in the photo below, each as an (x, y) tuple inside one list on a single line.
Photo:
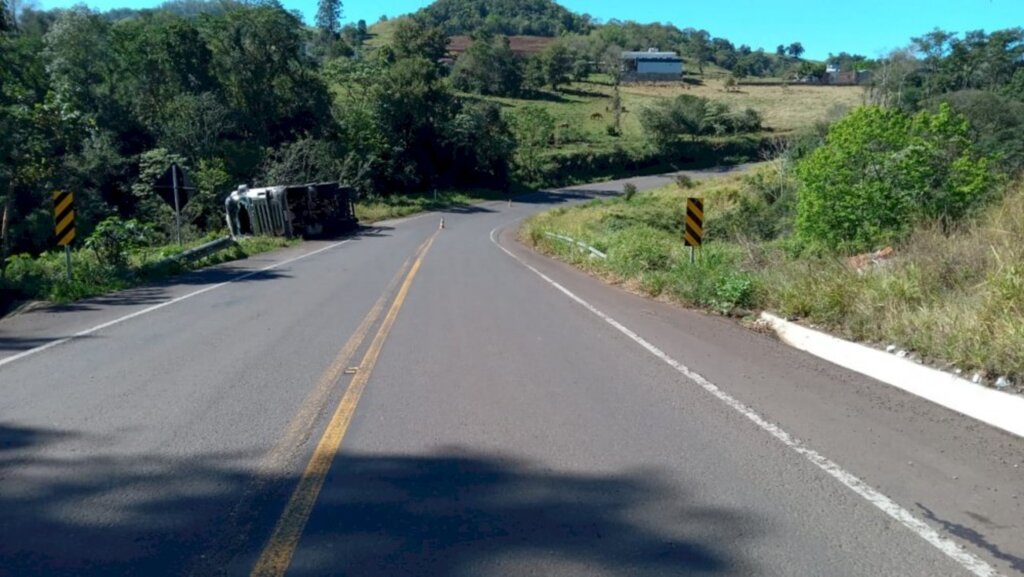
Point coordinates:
[(199, 252), (593, 251)]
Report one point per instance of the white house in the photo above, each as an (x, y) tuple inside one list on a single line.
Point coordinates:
[(652, 63)]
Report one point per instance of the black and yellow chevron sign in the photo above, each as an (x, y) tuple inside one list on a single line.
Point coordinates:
[(694, 234), (64, 217)]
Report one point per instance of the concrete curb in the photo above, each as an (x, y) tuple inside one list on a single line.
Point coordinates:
[(998, 409)]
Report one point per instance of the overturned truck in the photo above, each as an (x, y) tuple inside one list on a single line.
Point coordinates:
[(306, 210)]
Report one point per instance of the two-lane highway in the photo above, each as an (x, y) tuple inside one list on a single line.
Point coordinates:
[(417, 401)]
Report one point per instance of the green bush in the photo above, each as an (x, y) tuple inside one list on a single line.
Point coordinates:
[(880, 171), (645, 210), (996, 124), (714, 280), (667, 121), (113, 238)]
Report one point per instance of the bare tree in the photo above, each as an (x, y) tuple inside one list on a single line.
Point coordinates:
[(890, 78), (611, 64)]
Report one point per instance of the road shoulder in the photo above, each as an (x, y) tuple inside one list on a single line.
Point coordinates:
[(942, 466)]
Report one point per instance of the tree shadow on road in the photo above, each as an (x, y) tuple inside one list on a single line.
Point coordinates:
[(445, 514), (973, 536), (159, 291), (461, 513)]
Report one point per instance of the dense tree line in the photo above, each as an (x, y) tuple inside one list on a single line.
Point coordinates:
[(941, 136), (239, 93), (941, 62)]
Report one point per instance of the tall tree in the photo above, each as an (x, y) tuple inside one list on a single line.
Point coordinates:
[(258, 58), (6, 18), (557, 63), (488, 66), (795, 49), (328, 16), (414, 38), (700, 48)]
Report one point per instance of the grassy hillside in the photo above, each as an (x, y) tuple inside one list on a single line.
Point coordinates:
[(381, 33), (784, 108), (586, 107)]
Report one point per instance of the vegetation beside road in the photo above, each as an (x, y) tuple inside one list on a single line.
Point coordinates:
[(786, 238), (44, 277), (119, 255)]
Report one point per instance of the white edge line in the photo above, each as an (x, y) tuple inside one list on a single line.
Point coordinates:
[(954, 551), (156, 307)]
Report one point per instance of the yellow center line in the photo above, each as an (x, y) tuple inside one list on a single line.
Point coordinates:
[(299, 428), (277, 554)]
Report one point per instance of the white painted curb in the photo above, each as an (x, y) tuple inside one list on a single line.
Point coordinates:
[(996, 408)]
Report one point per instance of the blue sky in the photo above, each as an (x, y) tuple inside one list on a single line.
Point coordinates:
[(869, 27)]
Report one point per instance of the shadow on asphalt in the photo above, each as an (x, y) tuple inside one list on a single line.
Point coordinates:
[(456, 513), (451, 513), (9, 344), (973, 536), (156, 292), (563, 196)]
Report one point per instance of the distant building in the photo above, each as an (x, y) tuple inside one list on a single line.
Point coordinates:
[(835, 76), (832, 72), (652, 64)]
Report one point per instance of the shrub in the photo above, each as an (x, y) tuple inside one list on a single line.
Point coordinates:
[(996, 124), (715, 280), (881, 170), (628, 191), (113, 238), (667, 121)]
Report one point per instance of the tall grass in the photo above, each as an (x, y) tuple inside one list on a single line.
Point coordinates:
[(954, 297)]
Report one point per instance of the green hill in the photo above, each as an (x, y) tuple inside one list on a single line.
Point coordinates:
[(509, 17)]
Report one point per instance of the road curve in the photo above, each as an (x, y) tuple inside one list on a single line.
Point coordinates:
[(417, 401)]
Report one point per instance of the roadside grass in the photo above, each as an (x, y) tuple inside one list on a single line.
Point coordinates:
[(953, 298), (44, 277)]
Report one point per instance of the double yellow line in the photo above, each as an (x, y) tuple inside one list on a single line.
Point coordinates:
[(277, 554)]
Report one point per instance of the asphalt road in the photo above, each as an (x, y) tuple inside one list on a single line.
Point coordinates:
[(415, 401)]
